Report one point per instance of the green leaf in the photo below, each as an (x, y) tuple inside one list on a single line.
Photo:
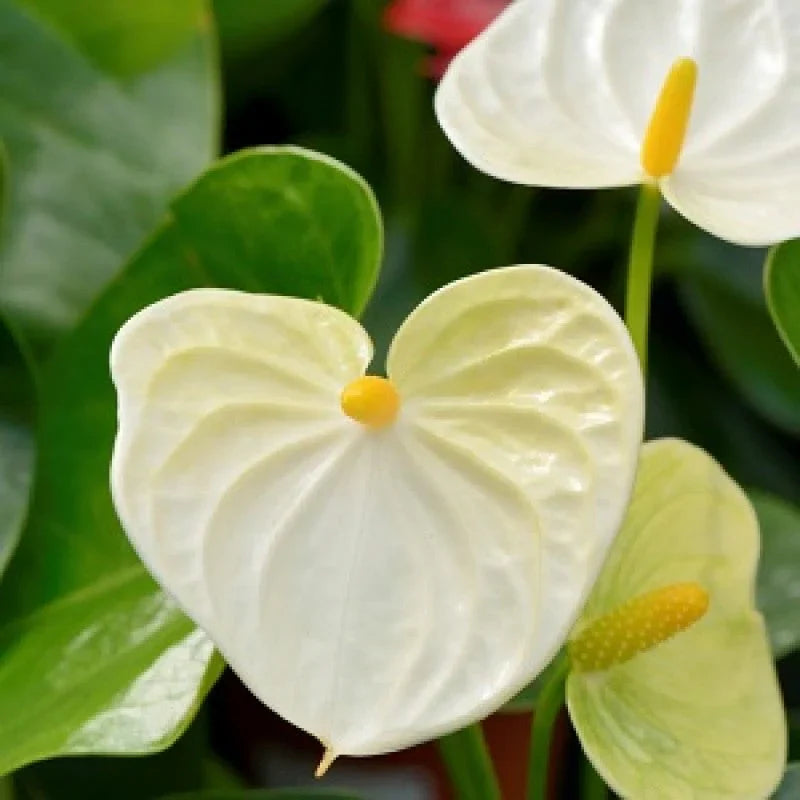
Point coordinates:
[(182, 768), (246, 27), (108, 109), (790, 786), (95, 658), (724, 295), (122, 38), (17, 448), (779, 570), (782, 288)]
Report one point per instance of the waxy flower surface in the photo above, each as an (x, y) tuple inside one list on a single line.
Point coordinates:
[(701, 96), (673, 691), (380, 560)]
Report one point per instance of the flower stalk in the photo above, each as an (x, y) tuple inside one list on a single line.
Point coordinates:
[(544, 719), (469, 765), (640, 268)]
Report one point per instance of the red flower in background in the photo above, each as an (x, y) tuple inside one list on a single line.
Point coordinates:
[(447, 25)]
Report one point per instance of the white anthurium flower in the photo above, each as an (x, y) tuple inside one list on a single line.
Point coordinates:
[(702, 96), (381, 560)]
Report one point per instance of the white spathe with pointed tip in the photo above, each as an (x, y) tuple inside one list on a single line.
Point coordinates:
[(379, 587), (560, 93)]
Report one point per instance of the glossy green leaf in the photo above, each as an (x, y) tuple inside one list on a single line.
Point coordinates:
[(779, 570), (95, 657), (108, 109), (724, 295), (790, 786), (782, 288)]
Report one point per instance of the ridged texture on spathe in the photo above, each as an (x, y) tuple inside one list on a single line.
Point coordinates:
[(700, 716), (560, 92), (378, 588)]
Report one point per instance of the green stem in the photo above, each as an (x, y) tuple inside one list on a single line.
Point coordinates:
[(469, 764), (640, 268), (593, 787), (544, 717)]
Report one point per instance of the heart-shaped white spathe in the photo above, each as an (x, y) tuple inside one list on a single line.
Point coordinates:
[(378, 588)]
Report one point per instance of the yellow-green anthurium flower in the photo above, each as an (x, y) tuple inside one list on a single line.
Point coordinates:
[(672, 689), (381, 560), (699, 96)]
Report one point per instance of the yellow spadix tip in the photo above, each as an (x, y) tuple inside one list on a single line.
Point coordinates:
[(328, 757), (372, 401), (637, 626), (666, 132)]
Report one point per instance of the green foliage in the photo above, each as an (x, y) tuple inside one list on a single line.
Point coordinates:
[(790, 786), (724, 294), (782, 288), (95, 657), (778, 574), (182, 768), (16, 443), (102, 125), (17, 447), (247, 26), (122, 38)]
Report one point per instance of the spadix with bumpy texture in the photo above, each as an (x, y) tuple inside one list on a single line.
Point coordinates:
[(380, 560), (673, 691), (697, 95), (638, 625)]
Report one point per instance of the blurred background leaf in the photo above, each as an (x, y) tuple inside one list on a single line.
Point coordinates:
[(95, 658), (722, 287), (102, 123), (248, 28), (186, 766), (790, 786), (782, 288), (17, 447), (779, 570)]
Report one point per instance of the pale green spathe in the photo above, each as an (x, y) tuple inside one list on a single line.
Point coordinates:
[(699, 716)]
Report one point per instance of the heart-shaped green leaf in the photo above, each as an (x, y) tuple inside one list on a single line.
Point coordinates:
[(778, 570), (95, 657), (782, 288), (108, 109)]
